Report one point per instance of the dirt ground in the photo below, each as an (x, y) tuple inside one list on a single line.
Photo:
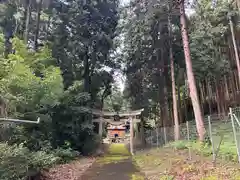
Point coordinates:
[(70, 171), (169, 164)]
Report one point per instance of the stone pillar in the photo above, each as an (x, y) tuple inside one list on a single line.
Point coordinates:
[(131, 135)]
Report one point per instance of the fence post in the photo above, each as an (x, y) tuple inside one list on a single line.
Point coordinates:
[(235, 134), (188, 138), (211, 138)]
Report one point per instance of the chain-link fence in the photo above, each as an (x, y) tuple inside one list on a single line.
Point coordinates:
[(222, 135)]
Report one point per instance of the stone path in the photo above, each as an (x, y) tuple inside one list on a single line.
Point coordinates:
[(117, 164)]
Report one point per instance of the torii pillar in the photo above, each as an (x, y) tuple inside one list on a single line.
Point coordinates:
[(131, 135)]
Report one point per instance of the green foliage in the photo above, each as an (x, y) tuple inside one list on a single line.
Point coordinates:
[(208, 28), (28, 80), (58, 81), (225, 152), (17, 162)]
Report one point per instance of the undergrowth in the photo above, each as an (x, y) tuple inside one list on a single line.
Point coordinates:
[(226, 151), (18, 162)]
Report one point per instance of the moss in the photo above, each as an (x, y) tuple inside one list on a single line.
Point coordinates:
[(147, 160), (111, 159), (116, 153), (119, 149), (136, 177), (166, 177), (210, 178)]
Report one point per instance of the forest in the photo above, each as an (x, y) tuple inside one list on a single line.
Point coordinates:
[(60, 58)]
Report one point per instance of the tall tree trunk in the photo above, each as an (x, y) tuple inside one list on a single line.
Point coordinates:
[(226, 88), (174, 107), (190, 76), (166, 105), (235, 47), (39, 8), (217, 97), (185, 98), (86, 73), (233, 87), (202, 101), (27, 23), (236, 81), (179, 103), (209, 92)]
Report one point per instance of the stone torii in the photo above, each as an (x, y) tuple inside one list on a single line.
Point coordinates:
[(131, 117)]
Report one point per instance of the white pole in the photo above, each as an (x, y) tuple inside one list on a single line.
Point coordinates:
[(211, 138), (235, 134), (188, 138), (20, 121)]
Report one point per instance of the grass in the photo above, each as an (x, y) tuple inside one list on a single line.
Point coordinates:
[(167, 163), (220, 128), (226, 151)]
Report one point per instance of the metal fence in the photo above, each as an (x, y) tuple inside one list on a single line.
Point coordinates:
[(222, 135)]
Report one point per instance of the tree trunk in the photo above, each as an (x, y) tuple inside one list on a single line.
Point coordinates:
[(236, 81), (185, 97), (217, 98), (39, 7), (28, 17), (233, 89), (179, 104), (190, 75), (86, 73), (235, 48), (226, 88), (174, 107), (209, 96), (166, 105), (202, 101)]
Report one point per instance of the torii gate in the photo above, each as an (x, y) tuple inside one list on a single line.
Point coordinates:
[(132, 118)]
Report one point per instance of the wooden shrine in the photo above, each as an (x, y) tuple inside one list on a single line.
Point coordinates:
[(116, 132), (117, 122)]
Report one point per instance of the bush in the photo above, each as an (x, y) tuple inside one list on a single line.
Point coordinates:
[(226, 151), (66, 154), (17, 162)]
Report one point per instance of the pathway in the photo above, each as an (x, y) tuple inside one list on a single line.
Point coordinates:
[(117, 164)]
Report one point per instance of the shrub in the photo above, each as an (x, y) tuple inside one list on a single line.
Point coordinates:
[(18, 162), (66, 154)]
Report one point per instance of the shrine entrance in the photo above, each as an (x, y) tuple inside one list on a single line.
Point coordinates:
[(118, 124)]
